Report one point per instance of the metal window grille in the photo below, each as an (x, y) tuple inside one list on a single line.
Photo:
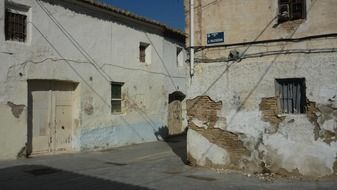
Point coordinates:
[(291, 93), (15, 26), (116, 97), (291, 9)]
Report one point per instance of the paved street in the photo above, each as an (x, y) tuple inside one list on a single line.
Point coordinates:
[(147, 166)]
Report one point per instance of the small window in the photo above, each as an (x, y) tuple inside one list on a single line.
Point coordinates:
[(291, 94), (15, 26), (144, 53), (180, 56), (116, 97), (291, 10)]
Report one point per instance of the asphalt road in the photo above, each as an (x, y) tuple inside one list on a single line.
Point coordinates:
[(147, 166)]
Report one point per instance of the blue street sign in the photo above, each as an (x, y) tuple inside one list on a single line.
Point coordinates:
[(216, 37)]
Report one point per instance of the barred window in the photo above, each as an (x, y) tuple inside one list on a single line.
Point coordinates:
[(291, 10), (116, 97), (15, 26), (291, 95)]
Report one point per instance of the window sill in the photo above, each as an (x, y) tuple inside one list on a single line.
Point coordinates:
[(290, 114), (18, 43), (145, 63), (289, 24), (118, 114)]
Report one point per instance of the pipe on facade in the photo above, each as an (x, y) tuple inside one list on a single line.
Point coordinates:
[(192, 37)]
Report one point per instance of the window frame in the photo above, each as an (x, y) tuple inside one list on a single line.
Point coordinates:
[(18, 9), (295, 90), (144, 53), (116, 99), (290, 4), (179, 56)]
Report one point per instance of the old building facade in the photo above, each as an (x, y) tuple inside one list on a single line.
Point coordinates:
[(264, 90), (76, 75)]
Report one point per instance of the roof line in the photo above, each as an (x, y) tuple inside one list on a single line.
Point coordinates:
[(126, 13)]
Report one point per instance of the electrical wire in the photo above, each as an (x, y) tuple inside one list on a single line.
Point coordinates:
[(269, 53)]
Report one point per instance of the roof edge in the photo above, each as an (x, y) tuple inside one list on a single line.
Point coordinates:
[(132, 16)]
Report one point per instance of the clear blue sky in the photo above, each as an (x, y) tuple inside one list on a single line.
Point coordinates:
[(168, 12)]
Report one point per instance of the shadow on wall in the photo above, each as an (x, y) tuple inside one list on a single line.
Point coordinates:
[(42, 177), (162, 133)]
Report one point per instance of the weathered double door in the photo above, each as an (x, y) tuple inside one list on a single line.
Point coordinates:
[(50, 116)]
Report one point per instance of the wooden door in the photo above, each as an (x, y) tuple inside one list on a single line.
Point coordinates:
[(175, 118), (42, 121), (51, 125), (63, 116)]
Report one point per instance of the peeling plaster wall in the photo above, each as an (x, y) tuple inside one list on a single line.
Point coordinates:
[(11, 128), (91, 48), (293, 143), (302, 144)]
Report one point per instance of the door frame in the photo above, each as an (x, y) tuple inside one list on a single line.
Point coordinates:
[(75, 113)]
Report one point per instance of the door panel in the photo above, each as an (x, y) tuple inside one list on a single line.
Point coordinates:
[(63, 110), (41, 121), (175, 118), (51, 115)]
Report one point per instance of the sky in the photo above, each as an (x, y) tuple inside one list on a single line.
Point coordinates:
[(168, 12)]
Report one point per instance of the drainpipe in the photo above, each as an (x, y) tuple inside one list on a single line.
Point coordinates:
[(192, 37)]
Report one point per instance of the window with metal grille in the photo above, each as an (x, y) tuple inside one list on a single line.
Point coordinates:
[(116, 97), (144, 52), (15, 26), (291, 94), (291, 10)]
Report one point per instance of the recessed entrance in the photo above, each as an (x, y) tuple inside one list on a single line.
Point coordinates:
[(175, 113), (50, 116)]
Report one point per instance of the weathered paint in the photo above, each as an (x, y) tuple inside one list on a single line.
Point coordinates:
[(16, 109), (303, 144), (91, 47), (199, 144)]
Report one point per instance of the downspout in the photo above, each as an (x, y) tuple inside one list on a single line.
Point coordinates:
[(192, 37)]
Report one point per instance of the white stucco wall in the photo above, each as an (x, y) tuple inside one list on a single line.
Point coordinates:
[(92, 48), (241, 85)]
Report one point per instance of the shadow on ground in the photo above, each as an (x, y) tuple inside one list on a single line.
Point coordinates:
[(42, 177), (178, 145)]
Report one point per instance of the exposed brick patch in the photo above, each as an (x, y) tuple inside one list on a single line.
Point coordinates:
[(327, 112), (269, 109), (16, 109), (227, 140), (204, 109), (328, 136), (311, 111)]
